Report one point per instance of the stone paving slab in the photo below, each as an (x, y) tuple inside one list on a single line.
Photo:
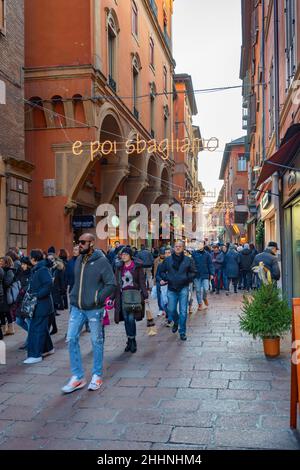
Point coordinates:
[(214, 391)]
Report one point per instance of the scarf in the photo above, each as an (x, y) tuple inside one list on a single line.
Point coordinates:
[(177, 260)]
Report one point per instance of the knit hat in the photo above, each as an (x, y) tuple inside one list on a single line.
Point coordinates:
[(128, 251), (273, 245), (51, 250), (25, 260)]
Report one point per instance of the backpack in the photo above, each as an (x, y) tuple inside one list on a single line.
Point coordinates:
[(13, 292)]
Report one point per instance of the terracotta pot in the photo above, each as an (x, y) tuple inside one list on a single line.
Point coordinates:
[(272, 346)]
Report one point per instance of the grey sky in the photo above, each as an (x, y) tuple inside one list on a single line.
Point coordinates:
[(207, 45)]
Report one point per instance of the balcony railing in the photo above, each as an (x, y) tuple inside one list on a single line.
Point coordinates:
[(153, 6), (112, 83), (136, 113)]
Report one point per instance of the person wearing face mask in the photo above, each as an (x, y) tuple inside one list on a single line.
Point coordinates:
[(205, 272), (94, 281)]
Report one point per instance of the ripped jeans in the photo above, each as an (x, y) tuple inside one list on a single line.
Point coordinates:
[(76, 321)]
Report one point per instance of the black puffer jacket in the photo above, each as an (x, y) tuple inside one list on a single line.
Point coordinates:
[(246, 257), (179, 278)]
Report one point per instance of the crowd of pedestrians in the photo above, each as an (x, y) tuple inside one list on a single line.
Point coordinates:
[(35, 289)]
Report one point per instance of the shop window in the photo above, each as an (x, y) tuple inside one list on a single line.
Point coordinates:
[(296, 249)]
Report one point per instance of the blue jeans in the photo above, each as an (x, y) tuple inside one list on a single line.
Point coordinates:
[(182, 298), (225, 279), (159, 299), (201, 286), (25, 324), (76, 321), (130, 324)]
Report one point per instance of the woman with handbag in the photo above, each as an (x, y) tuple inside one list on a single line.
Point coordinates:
[(7, 324), (130, 296), (21, 320), (39, 340)]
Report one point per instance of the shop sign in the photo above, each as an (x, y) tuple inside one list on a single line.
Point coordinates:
[(291, 184), (83, 222)]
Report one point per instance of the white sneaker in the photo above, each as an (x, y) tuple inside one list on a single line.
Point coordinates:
[(159, 314), (74, 384), (95, 383), (49, 353), (32, 360)]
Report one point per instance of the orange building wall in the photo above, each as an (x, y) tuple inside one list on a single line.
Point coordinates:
[(62, 33)]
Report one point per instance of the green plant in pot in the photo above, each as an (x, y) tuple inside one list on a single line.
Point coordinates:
[(266, 315)]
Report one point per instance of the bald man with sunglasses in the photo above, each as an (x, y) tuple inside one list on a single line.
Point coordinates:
[(94, 281)]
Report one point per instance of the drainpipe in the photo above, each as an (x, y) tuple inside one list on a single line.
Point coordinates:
[(263, 67), (277, 200)]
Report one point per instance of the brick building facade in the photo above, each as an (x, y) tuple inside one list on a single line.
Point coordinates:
[(14, 170)]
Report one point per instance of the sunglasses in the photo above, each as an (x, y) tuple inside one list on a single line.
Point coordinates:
[(83, 242)]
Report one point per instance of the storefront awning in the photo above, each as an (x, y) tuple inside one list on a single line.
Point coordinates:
[(281, 157)]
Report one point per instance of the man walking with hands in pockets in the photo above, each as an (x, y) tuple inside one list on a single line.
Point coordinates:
[(94, 281)]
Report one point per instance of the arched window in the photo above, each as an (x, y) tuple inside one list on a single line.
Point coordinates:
[(38, 113), (166, 121), (135, 18), (79, 115), (152, 109), (112, 33), (151, 52), (165, 79), (59, 111), (136, 67)]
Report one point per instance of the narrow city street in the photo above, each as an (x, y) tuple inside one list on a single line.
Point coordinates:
[(214, 391)]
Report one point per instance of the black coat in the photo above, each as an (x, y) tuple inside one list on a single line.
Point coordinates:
[(139, 283), (246, 259), (59, 284), (232, 264), (8, 279), (1, 287), (41, 286), (178, 279)]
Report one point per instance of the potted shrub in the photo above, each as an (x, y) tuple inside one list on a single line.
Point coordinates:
[(266, 315)]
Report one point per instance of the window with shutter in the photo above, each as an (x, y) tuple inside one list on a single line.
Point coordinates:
[(290, 40), (272, 100)]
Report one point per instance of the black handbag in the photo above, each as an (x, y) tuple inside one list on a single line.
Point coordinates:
[(132, 303), (28, 306)]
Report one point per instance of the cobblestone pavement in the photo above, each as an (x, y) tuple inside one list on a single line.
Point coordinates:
[(214, 391)]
